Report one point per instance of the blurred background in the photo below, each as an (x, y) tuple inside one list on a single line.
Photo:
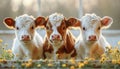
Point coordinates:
[(69, 8)]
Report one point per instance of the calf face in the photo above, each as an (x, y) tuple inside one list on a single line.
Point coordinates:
[(24, 26), (56, 27), (91, 26)]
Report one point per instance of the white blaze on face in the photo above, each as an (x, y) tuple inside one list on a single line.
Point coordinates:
[(24, 27), (90, 27), (56, 20)]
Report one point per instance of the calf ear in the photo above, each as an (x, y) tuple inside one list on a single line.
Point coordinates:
[(73, 22), (40, 21), (9, 22), (106, 21)]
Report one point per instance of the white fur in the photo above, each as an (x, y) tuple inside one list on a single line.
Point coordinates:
[(25, 49), (56, 19), (91, 22)]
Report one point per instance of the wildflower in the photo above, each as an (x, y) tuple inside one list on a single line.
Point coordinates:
[(103, 55), (72, 67), (80, 65), (102, 60), (118, 61), (72, 60), (23, 64), (1, 40), (118, 42), (28, 64), (85, 62), (9, 51), (64, 65), (91, 59), (114, 61), (13, 66), (30, 60), (39, 65), (3, 61), (50, 64)]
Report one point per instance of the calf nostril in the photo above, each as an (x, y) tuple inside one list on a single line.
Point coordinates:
[(27, 36), (92, 37), (58, 36), (55, 36)]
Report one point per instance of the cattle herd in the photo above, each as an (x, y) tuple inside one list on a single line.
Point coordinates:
[(58, 43)]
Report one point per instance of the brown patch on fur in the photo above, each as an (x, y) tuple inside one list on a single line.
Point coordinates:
[(96, 52), (47, 48), (69, 41)]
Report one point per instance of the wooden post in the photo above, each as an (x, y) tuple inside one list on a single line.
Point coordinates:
[(80, 8), (39, 7)]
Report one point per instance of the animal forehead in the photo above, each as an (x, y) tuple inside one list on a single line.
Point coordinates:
[(24, 20), (56, 19), (90, 20)]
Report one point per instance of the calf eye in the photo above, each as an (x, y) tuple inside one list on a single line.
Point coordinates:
[(64, 28), (98, 28), (47, 27), (32, 27), (84, 28), (17, 28)]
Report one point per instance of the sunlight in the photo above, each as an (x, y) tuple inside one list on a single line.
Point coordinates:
[(17, 3), (27, 2)]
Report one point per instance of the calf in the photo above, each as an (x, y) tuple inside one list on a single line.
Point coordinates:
[(91, 41), (27, 43), (59, 42)]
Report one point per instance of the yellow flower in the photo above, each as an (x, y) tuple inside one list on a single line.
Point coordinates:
[(85, 62), (13, 66), (30, 60), (9, 51), (102, 60), (118, 61), (39, 65), (114, 61), (23, 64), (50, 64), (118, 42), (80, 65), (28, 64), (1, 40), (72, 67), (72, 60), (103, 55), (3, 61), (64, 65)]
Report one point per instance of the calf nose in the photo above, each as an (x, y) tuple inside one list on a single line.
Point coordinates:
[(92, 37), (25, 37), (55, 37)]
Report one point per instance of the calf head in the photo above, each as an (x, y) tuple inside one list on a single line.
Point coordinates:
[(24, 26), (56, 28), (91, 26)]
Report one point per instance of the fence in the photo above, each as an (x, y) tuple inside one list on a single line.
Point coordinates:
[(112, 36)]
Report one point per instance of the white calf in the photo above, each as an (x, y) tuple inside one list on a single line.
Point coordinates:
[(27, 43), (91, 41)]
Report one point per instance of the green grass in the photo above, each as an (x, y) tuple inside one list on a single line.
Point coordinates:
[(109, 60)]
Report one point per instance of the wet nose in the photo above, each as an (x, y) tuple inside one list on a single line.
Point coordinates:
[(25, 37), (92, 37), (55, 37)]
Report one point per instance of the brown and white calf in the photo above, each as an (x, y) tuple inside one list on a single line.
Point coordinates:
[(27, 43), (59, 42), (91, 41)]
